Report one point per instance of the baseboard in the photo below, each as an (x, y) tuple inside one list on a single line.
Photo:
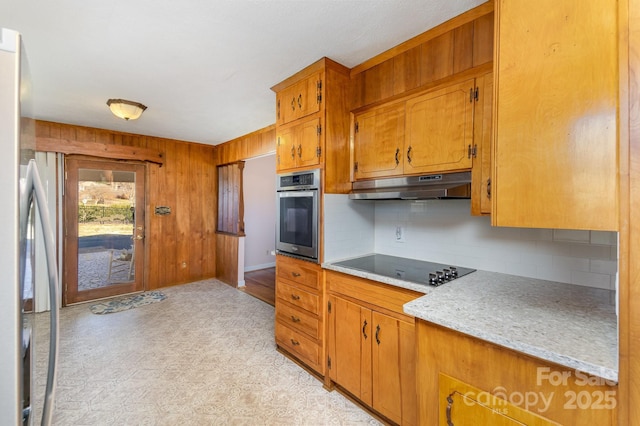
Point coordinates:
[(258, 267)]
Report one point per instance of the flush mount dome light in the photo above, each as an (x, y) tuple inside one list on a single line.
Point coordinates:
[(127, 110)]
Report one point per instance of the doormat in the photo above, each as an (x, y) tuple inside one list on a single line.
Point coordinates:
[(129, 302)]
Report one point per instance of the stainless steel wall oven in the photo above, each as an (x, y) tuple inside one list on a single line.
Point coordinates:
[(297, 214)]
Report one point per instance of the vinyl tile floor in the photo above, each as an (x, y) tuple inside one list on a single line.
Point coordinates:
[(204, 356)]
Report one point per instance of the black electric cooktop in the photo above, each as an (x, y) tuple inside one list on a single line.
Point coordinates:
[(416, 271)]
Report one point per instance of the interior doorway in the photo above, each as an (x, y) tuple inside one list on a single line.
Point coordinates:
[(103, 229), (259, 177)]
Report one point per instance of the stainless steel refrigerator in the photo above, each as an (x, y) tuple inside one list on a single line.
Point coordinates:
[(22, 205)]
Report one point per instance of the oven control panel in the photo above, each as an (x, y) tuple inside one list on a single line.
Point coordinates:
[(299, 180)]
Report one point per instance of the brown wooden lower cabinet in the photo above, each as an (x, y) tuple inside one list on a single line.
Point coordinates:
[(466, 381), (371, 345), (462, 404)]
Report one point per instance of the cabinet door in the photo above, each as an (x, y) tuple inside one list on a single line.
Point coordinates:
[(285, 149), (298, 145), (394, 385), (378, 142), (308, 143), (299, 100), (555, 126), (439, 130), (481, 172), (351, 342)]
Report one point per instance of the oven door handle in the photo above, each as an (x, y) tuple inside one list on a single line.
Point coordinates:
[(296, 194)]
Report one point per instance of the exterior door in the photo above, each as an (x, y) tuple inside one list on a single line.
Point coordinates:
[(104, 229)]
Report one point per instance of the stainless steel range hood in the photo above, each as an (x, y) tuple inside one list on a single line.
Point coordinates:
[(445, 185)]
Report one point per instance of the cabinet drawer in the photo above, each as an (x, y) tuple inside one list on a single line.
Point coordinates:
[(298, 319), (300, 298), (298, 344), (299, 271), (374, 293)]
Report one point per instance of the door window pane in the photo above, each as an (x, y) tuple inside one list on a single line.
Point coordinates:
[(106, 223)]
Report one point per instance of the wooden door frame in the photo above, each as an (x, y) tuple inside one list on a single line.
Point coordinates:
[(70, 239)]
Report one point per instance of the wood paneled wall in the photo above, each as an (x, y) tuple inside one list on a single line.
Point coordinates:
[(227, 251), (181, 246), (458, 45), (251, 145)]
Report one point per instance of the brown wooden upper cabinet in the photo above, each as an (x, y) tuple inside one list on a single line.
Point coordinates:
[(299, 100), (298, 144), (312, 123), (428, 133), (555, 128), (379, 142)]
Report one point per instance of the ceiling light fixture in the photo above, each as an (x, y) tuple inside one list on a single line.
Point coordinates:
[(127, 110)]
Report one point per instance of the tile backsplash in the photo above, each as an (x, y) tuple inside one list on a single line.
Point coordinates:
[(444, 231)]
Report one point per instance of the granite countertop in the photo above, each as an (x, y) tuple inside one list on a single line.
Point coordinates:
[(566, 324)]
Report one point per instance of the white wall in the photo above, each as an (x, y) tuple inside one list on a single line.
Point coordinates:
[(348, 228), (259, 181), (444, 231)]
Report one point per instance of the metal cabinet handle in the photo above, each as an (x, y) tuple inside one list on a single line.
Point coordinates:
[(300, 151), (295, 297), (300, 101), (409, 155), (293, 151), (364, 329), (295, 318), (378, 334), (449, 405), (295, 274), (397, 154), (489, 188), (295, 342), (293, 104)]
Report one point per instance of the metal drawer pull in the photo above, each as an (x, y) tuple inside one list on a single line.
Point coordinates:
[(295, 319), (409, 155), (364, 329), (295, 274), (378, 334), (449, 405), (295, 342), (293, 104), (300, 151), (295, 297), (397, 153), (300, 101)]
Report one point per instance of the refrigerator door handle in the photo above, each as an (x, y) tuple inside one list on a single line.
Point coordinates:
[(33, 188)]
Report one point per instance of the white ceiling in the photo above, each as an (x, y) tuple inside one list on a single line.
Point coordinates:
[(203, 68)]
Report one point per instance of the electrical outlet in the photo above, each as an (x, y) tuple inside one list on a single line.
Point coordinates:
[(399, 234)]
